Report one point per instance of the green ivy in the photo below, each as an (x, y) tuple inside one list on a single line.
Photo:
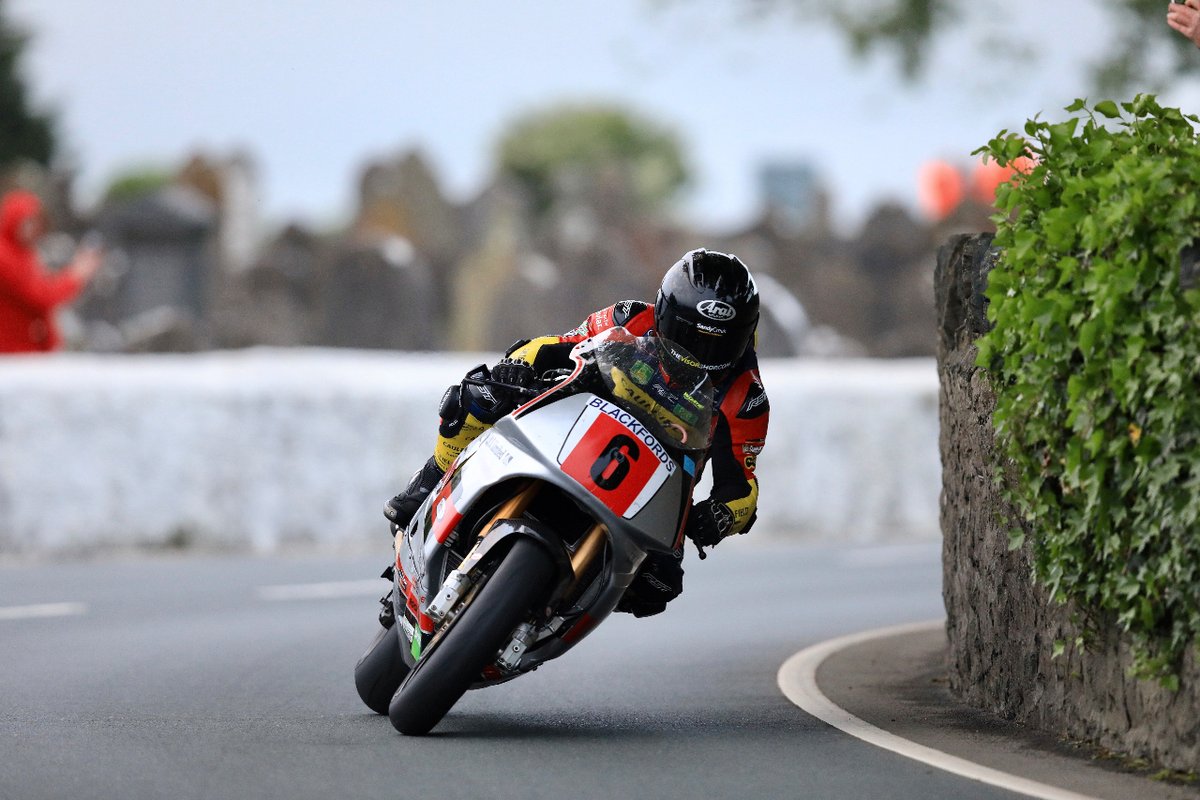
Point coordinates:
[(1094, 356)]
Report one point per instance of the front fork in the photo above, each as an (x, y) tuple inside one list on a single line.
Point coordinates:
[(525, 634), (591, 546), (460, 581)]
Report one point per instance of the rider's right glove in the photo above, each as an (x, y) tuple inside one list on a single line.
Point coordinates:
[(513, 372), (709, 522)]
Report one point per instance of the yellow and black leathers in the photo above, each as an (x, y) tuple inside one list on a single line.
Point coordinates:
[(467, 410), (740, 428)]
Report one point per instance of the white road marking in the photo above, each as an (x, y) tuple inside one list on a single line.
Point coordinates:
[(797, 678), (42, 610), (332, 590)]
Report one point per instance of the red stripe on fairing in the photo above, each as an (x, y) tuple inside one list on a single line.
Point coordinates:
[(426, 623), (643, 320), (446, 523), (446, 516), (410, 598), (521, 410), (411, 603)]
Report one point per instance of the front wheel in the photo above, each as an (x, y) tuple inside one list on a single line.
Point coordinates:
[(380, 671), (444, 673)]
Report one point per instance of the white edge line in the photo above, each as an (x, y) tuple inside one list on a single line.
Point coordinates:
[(332, 590), (797, 679), (42, 610)]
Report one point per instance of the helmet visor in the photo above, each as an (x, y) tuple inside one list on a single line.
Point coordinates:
[(715, 345)]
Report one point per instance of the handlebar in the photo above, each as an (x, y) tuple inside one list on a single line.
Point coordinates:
[(547, 380), (523, 391)]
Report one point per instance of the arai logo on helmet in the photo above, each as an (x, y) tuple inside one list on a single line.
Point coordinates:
[(716, 309)]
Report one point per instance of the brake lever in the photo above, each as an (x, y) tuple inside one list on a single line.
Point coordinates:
[(524, 391)]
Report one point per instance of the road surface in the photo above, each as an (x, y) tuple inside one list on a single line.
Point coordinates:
[(231, 677)]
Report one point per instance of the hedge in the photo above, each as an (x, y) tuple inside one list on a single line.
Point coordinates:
[(1094, 357)]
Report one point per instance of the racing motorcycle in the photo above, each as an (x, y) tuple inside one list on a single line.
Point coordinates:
[(535, 532)]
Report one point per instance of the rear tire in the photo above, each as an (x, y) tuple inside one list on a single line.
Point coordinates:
[(381, 670), (443, 674)]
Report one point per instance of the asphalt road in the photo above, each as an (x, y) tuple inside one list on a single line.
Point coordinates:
[(202, 677)]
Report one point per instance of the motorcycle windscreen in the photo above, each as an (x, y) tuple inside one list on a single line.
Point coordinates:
[(664, 383), (614, 456)]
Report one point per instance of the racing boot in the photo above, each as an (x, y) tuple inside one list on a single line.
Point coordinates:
[(658, 581), (401, 508)]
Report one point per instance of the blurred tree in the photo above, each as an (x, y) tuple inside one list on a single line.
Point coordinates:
[(137, 182), (1144, 52), (544, 148), (24, 133)]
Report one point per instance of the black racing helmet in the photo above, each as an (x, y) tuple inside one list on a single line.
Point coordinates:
[(708, 303)]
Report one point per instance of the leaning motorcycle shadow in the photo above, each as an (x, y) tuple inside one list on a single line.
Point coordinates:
[(487, 725), (693, 716)]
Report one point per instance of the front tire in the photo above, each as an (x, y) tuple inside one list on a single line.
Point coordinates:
[(444, 673), (381, 670)]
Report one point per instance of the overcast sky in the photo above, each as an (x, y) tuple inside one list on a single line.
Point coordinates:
[(312, 89)]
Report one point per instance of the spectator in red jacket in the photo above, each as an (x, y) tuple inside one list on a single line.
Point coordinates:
[(29, 293)]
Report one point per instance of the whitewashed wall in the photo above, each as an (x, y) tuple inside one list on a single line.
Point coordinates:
[(264, 448)]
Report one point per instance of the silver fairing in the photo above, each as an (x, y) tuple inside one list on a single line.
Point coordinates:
[(564, 443)]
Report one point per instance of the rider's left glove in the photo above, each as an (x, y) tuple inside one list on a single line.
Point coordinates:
[(709, 522)]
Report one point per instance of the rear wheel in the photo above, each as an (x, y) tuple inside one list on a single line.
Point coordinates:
[(444, 673), (380, 671)]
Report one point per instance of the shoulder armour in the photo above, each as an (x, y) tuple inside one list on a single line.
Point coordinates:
[(627, 310)]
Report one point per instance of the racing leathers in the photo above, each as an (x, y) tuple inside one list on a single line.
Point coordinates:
[(740, 430)]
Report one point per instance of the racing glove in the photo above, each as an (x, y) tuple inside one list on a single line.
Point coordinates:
[(512, 372), (709, 522)]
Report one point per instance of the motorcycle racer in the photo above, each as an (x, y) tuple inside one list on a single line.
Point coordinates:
[(708, 303)]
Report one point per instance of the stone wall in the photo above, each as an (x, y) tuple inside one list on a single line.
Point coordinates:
[(1001, 625), (269, 448)]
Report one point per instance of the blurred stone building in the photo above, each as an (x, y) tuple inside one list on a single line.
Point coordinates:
[(159, 286), (187, 267), (275, 300)]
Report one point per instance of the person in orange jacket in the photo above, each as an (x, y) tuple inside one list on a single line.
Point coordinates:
[(29, 293)]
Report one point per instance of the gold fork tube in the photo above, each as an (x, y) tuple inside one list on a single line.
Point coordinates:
[(516, 505), (592, 543)]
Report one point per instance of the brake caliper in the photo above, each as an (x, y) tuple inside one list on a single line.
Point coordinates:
[(523, 637), (454, 587)]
